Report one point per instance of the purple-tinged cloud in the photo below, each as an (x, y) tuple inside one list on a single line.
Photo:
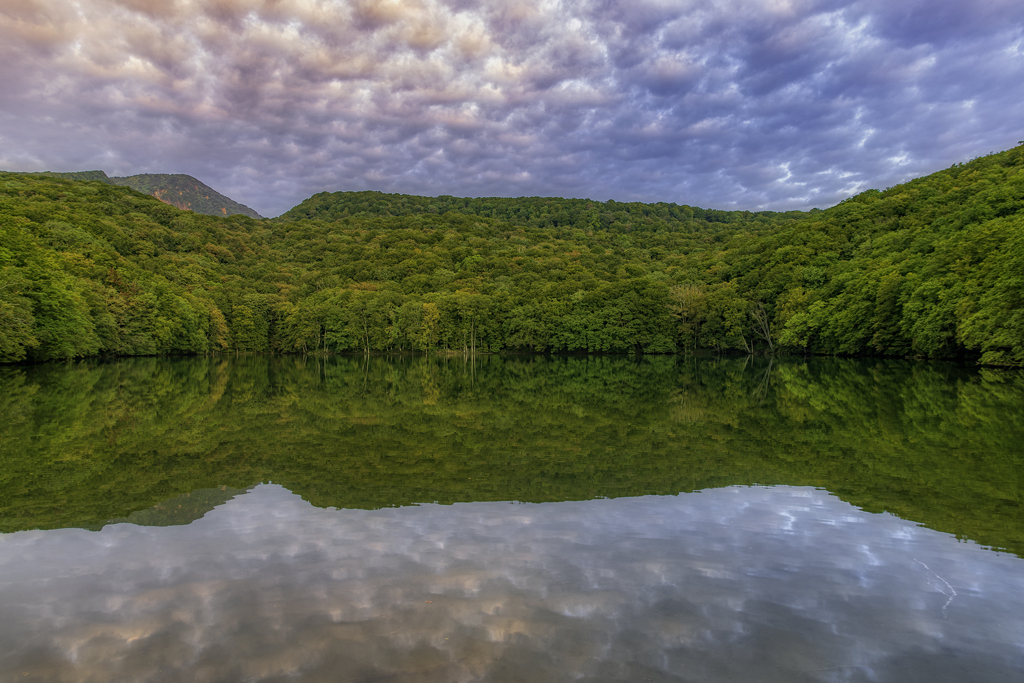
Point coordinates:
[(759, 104)]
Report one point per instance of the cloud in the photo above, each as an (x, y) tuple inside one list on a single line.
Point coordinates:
[(732, 103), (730, 584)]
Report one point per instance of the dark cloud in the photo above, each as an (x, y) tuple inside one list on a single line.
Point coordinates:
[(748, 104)]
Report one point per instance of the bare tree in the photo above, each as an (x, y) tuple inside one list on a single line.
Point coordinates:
[(763, 327)]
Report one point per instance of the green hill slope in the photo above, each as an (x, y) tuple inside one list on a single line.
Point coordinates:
[(536, 212), (933, 267)]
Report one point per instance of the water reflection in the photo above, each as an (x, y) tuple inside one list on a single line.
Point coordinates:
[(87, 443), (734, 584), (187, 576)]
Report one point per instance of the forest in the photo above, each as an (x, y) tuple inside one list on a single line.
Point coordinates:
[(932, 268)]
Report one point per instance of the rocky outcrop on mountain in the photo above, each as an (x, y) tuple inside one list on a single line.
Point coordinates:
[(185, 192)]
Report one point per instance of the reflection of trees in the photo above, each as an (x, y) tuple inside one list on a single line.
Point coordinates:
[(91, 442)]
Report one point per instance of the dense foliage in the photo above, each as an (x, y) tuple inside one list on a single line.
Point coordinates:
[(932, 268), (96, 441)]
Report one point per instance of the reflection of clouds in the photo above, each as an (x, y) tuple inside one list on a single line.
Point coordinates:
[(731, 584), (717, 102)]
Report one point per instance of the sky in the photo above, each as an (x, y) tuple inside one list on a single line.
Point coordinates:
[(747, 104)]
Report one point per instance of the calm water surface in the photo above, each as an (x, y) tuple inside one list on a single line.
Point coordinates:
[(596, 519)]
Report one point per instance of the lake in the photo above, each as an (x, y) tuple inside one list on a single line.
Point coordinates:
[(269, 518)]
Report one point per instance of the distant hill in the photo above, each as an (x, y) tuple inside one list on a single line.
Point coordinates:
[(538, 212), (184, 192), (176, 189)]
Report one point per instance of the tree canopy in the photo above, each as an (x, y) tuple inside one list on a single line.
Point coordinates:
[(931, 268)]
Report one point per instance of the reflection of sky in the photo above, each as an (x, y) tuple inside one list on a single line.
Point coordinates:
[(737, 584)]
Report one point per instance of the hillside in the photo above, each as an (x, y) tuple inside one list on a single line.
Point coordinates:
[(931, 268), (535, 212), (185, 192), (181, 191)]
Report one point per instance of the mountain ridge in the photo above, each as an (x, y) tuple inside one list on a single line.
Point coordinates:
[(185, 192)]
